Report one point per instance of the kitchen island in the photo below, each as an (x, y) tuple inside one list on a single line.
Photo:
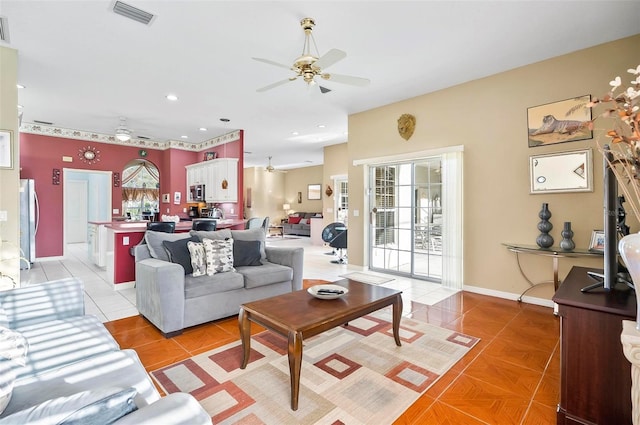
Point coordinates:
[(122, 235)]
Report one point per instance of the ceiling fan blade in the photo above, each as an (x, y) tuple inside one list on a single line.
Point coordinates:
[(329, 58), (324, 90), (347, 79), (270, 62), (276, 84)]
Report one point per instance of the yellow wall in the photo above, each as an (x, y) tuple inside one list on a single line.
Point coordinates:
[(489, 117), (266, 193), (9, 178), (297, 181), (336, 163)]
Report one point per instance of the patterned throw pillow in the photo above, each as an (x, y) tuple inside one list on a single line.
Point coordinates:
[(198, 261), (219, 255)]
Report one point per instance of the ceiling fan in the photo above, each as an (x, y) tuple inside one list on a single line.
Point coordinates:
[(308, 66), (122, 132), (270, 168)]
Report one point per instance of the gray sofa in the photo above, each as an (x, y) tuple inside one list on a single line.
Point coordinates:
[(302, 228), (170, 297), (74, 370)]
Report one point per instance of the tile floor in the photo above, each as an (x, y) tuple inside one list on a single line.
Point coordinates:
[(512, 376)]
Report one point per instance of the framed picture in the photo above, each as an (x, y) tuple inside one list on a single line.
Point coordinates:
[(559, 122), (6, 149), (208, 156), (165, 198), (558, 172), (299, 197), (177, 196), (597, 241), (314, 192)]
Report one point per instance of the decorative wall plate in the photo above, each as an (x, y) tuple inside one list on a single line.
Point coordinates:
[(90, 154)]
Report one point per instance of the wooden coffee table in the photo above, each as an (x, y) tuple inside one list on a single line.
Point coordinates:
[(299, 315)]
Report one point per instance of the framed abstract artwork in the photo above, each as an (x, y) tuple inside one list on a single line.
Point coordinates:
[(562, 172)]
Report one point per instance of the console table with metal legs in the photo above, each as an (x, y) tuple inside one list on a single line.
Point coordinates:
[(554, 253)]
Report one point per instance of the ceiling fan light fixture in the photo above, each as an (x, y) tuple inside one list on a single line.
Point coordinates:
[(123, 134)]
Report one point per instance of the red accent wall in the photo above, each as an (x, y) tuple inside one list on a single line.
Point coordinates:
[(39, 155)]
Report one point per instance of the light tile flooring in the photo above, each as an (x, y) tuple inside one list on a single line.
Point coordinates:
[(108, 304)]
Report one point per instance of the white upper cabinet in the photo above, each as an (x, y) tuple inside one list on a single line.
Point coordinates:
[(220, 179)]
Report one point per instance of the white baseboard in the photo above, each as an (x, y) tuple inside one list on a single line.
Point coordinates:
[(45, 259), (123, 285), (508, 296)]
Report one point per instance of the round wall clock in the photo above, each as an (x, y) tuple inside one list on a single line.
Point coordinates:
[(90, 154)]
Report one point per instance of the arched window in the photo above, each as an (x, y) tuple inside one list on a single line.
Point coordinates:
[(140, 188)]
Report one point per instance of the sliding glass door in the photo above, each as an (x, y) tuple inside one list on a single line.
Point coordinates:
[(415, 218)]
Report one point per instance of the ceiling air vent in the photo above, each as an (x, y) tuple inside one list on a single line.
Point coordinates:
[(131, 12), (4, 29), (42, 122), (143, 137)]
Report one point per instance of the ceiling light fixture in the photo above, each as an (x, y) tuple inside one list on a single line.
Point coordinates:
[(172, 97), (123, 133), (202, 129)]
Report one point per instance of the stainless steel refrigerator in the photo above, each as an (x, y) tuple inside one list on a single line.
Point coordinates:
[(29, 217)]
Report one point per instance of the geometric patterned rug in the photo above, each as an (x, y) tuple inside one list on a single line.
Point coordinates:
[(352, 374)]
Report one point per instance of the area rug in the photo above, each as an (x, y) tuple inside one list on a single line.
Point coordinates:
[(367, 278), (353, 374)]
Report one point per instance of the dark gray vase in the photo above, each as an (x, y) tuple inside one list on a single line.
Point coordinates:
[(544, 240), (567, 244)]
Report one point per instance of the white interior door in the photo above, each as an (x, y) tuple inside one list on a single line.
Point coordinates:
[(75, 211)]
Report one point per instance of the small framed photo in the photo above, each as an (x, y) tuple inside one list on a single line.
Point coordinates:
[(208, 156), (597, 241), (314, 192), (165, 198), (176, 197), (6, 149)]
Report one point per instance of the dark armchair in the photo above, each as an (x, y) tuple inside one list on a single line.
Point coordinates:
[(335, 234), (207, 225)]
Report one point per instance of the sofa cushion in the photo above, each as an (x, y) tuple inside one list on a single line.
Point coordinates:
[(195, 287), (257, 234), (294, 220), (219, 255), (154, 241), (98, 406), (179, 252), (59, 342), (221, 234), (267, 274), (246, 253), (198, 258)]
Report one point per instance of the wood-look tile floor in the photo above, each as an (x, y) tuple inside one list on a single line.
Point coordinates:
[(512, 376)]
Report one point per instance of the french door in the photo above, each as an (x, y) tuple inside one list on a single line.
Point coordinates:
[(415, 226)]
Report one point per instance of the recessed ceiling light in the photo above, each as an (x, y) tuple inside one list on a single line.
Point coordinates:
[(20, 106), (184, 137), (20, 86), (321, 126), (202, 129), (225, 119), (172, 97), (295, 133)]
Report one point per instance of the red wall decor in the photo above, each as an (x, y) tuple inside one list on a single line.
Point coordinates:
[(55, 179), (116, 179)]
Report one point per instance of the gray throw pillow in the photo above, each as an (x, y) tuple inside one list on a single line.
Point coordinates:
[(257, 234), (179, 253), (246, 253), (154, 241), (218, 235)]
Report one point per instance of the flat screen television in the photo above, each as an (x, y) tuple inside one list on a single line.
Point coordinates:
[(613, 273)]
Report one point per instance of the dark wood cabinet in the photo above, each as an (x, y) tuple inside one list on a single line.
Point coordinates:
[(595, 376)]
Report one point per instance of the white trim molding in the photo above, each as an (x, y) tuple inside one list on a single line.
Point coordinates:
[(408, 156)]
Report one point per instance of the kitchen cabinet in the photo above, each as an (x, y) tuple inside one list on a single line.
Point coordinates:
[(222, 169), (97, 243), (211, 174)]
